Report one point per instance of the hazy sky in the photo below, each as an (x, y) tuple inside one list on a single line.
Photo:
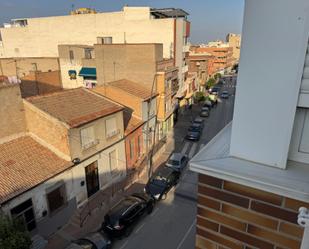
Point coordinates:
[(210, 19)]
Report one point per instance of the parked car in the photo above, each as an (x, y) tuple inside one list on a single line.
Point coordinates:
[(204, 114), (208, 104), (120, 219), (177, 161), (214, 90), (193, 136), (199, 121), (225, 95), (92, 241), (196, 127), (160, 184), (213, 99)]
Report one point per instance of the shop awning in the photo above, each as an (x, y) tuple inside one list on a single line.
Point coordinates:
[(88, 72)]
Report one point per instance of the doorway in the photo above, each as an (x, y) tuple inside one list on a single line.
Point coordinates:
[(92, 178)]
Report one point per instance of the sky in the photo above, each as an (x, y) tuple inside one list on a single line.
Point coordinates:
[(210, 19)]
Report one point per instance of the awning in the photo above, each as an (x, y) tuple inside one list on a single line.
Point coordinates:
[(88, 72)]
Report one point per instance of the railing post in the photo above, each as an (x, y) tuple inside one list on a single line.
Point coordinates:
[(303, 220)]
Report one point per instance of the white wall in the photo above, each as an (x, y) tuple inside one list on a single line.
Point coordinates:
[(271, 63), (42, 35)]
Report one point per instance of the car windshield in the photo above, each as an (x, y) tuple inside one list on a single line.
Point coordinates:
[(194, 128), (85, 244), (158, 181), (173, 162)]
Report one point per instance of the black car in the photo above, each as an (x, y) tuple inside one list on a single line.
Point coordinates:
[(161, 183), (225, 95), (196, 127), (193, 135), (199, 121), (120, 219)]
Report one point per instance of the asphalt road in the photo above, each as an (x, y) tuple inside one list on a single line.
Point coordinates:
[(172, 223)]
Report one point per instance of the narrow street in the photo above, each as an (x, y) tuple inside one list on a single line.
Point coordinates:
[(172, 223)]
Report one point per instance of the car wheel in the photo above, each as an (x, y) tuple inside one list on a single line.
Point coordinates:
[(128, 232), (150, 208)]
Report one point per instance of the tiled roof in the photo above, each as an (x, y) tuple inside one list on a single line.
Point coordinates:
[(75, 107), (24, 163), (133, 88), (130, 122)]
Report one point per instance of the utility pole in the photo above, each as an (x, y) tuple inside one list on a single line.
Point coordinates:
[(148, 154)]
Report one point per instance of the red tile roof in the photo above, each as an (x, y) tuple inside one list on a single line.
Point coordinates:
[(130, 122), (75, 107), (137, 89), (24, 163)]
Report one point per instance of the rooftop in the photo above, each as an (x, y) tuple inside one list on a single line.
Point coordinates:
[(75, 107), (24, 163), (168, 13), (136, 89)]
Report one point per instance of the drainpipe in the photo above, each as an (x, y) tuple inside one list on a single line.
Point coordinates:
[(303, 220)]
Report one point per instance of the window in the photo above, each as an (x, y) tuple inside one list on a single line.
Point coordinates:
[(88, 137), (25, 211), (105, 40), (71, 55), (88, 53), (113, 162), (56, 198), (131, 143), (111, 127)]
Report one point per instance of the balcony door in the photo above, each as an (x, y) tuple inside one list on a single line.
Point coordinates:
[(92, 178)]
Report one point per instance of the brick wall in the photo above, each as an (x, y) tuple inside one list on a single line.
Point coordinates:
[(40, 83), (234, 216), (49, 130), (12, 115)]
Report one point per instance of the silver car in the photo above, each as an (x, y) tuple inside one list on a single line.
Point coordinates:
[(92, 241), (177, 161)]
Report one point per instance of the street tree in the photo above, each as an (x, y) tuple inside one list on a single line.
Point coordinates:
[(13, 234), (211, 82)]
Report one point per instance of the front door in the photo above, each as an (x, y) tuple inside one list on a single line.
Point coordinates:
[(92, 178)]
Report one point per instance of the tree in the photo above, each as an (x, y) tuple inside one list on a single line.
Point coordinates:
[(211, 82), (13, 234), (199, 96), (217, 76)]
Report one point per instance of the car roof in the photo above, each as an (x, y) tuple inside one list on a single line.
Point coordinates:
[(121, 207), (196, 125), (164, 172), (176, 156), (198, 120), (98, 239)]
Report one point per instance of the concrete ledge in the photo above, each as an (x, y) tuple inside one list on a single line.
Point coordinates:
[(214, 160)]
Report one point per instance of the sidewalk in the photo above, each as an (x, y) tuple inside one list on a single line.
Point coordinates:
[(72, 231)]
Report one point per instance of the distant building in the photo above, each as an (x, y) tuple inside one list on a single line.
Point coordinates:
[(254, 174), (234, 41), (223, 57), (40, 37), (203, 65)]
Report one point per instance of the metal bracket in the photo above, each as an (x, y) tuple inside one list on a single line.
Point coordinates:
[(303, 217)]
